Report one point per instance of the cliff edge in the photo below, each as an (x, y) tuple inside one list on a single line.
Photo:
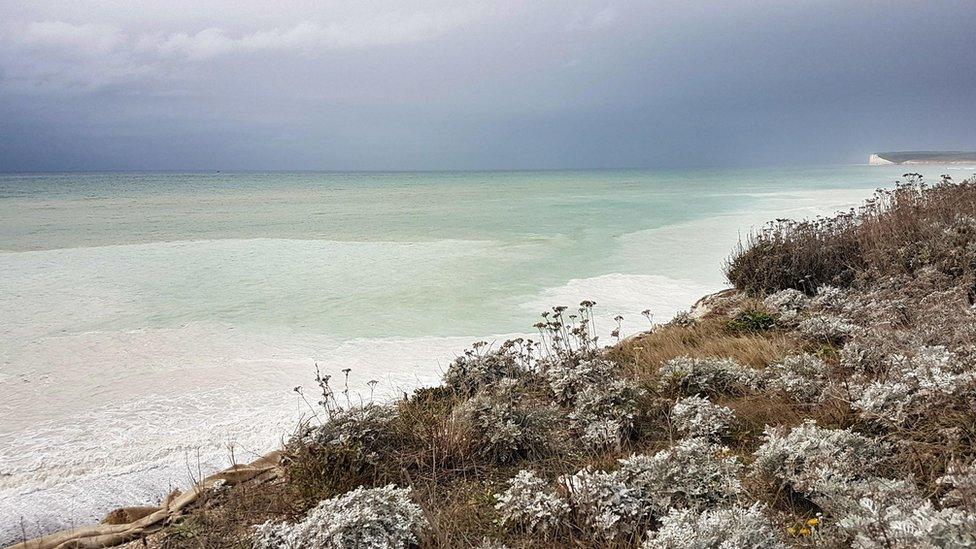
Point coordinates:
[(921, 157)]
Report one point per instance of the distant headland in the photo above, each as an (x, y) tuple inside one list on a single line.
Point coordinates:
[(921, 157)]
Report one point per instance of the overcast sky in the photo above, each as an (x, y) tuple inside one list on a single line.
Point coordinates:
[(371, 84)]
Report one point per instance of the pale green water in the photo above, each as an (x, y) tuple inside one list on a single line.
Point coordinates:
[(204, 298), (375, 255)]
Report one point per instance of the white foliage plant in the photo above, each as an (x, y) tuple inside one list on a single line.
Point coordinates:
[(370, 518), (695, 416)]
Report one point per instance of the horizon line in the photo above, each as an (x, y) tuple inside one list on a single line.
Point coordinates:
[(435, 170)]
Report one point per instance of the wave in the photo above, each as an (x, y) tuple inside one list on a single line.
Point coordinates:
[(626, 295)]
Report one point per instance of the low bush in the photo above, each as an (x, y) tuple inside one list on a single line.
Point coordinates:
[(605, 414), (697, 417), (896, 232), (893, 514), (505, 426), (818, 463), (734, 527), (691, 376), (364, 517), (480, 368), (801, 377), (912, 382), (531, 504)]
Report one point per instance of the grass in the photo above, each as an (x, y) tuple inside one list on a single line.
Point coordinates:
[(711, 337), (895, 232)]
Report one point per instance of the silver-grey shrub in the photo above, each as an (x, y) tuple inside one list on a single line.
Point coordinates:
[(829, 298), (961, 481), (802, 377), (479, 369), (912, 382), (735, 527), (605, 504), (693, 474), (827, 328), (695, 416), (604, 414), (368, 518), (567, 380), (365, 428), (818, 462), (531, 504), (707, 375), (787, 303), (505, 427), (891, 514)]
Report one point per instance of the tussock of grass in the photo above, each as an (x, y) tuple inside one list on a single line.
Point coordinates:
[(708, 338), (225, 519)]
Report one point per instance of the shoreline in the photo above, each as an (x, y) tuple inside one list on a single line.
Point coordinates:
[(139, 519), (285, 399)]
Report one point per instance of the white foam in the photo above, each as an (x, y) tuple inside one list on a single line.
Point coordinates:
[(156, 430), (121, 364), (695, 250), (625, 295)]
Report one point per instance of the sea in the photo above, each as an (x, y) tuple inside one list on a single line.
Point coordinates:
[(157, 327)]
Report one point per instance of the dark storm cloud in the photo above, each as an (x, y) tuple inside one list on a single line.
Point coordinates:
[(430, 85)]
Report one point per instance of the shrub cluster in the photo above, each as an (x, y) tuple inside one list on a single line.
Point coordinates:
[(802, 377), (913, 382), (505, 426), (530, 503), (693, 474), (818, 462), (896, 232), (695, 416)]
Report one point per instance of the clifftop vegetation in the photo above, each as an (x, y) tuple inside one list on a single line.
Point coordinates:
[(826, 401)]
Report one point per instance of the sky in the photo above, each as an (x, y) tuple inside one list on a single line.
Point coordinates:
[(427, 85)]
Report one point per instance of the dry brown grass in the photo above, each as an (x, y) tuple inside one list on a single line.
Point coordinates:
[(896, 232), (929, 443), (711, 337), (225, 519)]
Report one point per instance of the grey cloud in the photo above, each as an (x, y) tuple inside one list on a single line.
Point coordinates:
[(428, 84), (69, 40), (48, 54), (307, 36)]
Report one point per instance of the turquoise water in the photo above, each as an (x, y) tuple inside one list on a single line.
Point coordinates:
[(146, 316), (387, 254)]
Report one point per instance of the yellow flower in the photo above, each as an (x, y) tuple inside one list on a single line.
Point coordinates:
[(791, 530), (813, 522), (804, 531)]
